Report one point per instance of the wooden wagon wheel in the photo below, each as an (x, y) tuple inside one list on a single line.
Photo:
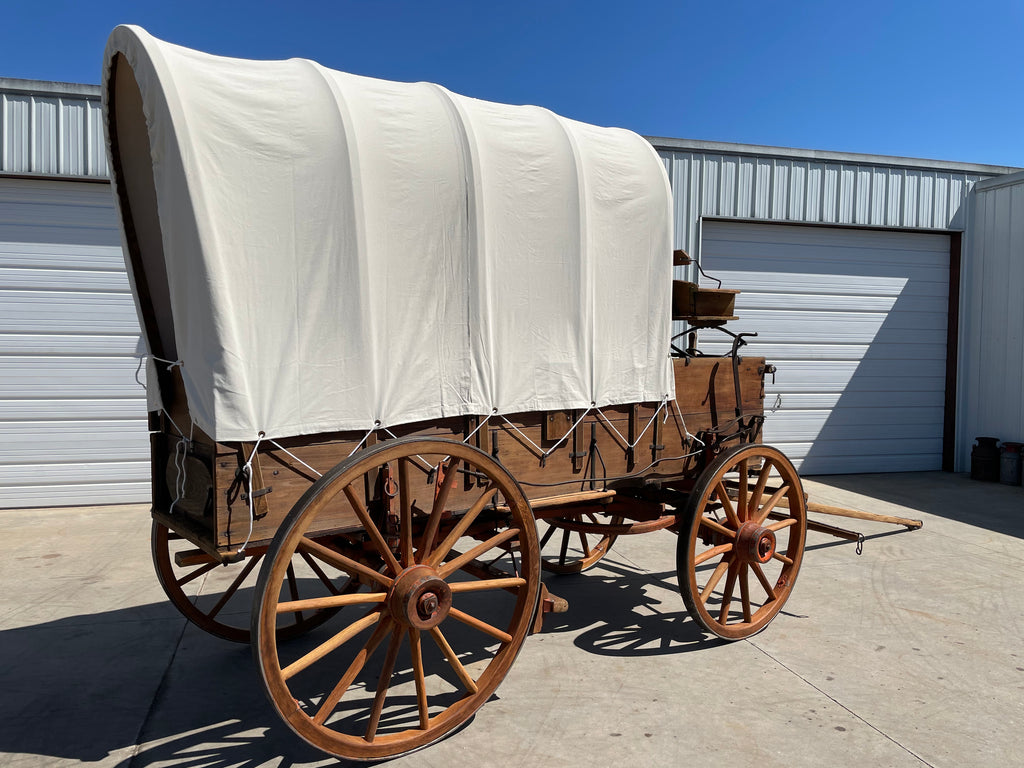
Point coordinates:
[(574, 550), (222, 607), (737, 538), (452, 606)]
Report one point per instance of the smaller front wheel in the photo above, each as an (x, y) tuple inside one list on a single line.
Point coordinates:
[(740, 549)]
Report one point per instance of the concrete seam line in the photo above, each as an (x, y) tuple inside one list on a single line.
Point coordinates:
[(842, 706), (137, 748)]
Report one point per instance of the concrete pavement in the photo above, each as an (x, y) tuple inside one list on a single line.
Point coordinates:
[(908, 655)]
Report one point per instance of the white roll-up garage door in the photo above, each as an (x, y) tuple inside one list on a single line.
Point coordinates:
[(72, 418), (855, 320)]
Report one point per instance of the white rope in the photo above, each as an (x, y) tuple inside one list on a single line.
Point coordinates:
[(430, 467), (370, 431), (682, 421), (281, 448), (480, 425), (644, 432), (181, 464), (544, 454), (171, 365), (247, 469)]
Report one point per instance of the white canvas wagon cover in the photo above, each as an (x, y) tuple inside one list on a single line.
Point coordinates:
[(323, 251)]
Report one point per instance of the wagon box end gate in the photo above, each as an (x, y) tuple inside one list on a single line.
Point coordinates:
[(399, 368)]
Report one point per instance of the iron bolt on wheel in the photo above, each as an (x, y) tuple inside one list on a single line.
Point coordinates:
[(739, 552), (438, 626), (218, 598)]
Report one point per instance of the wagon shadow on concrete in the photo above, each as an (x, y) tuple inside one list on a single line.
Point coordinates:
[(138, 687)]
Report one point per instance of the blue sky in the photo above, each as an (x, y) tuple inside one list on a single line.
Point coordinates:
[(940, 80)]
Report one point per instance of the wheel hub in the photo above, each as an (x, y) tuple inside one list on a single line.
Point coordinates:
[(420, 598), (755, 543)]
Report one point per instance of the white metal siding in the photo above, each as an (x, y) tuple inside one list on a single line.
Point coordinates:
[(855, 320), (991, 393), (52, 134), (813, 191), (72, 417)]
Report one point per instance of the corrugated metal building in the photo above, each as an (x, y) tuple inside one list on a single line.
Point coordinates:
[(850, 267)]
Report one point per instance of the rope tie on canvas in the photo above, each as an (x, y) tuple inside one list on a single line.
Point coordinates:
[(247, 470), (180, 463), (171, 365)]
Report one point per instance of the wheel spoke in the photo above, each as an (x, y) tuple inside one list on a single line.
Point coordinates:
[(368, 525), (467, 520), (730, 511), (713, 581), (745, 593), (405, 501), (767, 585), (762, 480), (782, 524), (782, 558), (335, 642), (336, 694), (383, 684), (212, 613), (436, 511), (711, 554), (196, 573), (313, 566), (717, 526), (453, 660), (730, 585), (741, 503), (547, 535), (416, 652), (770, 504), (565, 546), (332, 601), (482, 585), (449, 568), (583, 543), (483, 626), (341, 562), (293, 587)]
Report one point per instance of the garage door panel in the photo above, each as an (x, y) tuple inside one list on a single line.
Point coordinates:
[(51, 495), (66, 311), (64, 279), (829, 400), (70, 441), (67, 345), (857, 326), (68, 377), (856, 323), (780, 352), (72, 473), (835, 284), (60, 256), (102, 409), (824, 239), (813, 302), (817, 425)]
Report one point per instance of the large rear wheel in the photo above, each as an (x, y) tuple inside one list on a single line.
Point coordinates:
[(434, 631)]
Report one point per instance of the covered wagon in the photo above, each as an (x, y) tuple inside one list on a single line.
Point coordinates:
[(406, 351)]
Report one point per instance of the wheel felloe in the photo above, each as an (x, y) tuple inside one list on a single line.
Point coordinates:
[(740, 549)]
